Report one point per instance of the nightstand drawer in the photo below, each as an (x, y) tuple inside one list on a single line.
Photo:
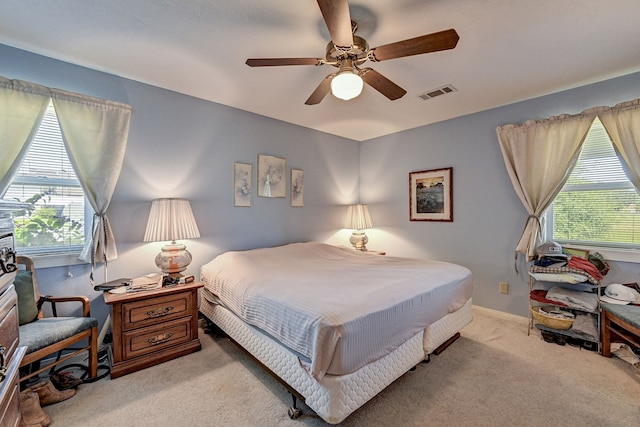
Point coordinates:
[(156, 338), (142, 313)]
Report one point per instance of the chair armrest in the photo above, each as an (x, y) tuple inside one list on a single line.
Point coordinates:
[(86, 304)]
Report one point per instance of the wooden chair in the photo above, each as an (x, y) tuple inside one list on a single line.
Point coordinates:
[(46, 336), (620, 323)]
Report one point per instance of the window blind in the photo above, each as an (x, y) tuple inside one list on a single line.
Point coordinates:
[(47, 180), (598, 205)]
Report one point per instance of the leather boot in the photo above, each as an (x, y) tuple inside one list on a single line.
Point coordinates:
[(31, 413), (49, 395)]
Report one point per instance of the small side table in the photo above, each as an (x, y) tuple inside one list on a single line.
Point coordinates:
[(151, 327)]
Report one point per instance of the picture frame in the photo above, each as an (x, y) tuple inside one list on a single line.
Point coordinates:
[(272, 177), (242, 184), (297, 187), (582, 253), (431, 195)]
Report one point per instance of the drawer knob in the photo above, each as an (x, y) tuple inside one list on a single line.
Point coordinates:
[(159, 339), (160, 312)]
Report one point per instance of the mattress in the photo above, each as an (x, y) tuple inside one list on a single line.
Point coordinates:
[(334, 397), (337, 308)]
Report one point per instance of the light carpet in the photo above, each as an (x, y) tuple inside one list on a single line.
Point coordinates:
[(494, 375)]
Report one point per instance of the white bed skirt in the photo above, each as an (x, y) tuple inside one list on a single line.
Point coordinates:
[(335, 397), (437, 333)]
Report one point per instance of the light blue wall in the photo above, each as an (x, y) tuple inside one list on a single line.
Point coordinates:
[(185, 147), (180, 146), (488, 216)]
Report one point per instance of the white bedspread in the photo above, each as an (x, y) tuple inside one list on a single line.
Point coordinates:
[(337, 307)]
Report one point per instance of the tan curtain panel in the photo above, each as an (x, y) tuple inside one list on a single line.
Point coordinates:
[(22, 106), (95, 135), (623, 126), (539, 156)]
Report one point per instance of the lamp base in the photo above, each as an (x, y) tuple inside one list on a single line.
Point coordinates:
[(173, 259), (359, 240)]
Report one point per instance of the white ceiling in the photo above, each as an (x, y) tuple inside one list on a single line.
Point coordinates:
[(509, 50)]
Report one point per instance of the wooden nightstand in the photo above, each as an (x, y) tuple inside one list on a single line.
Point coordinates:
[(151, 327)]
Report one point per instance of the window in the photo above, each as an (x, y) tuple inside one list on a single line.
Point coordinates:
[(598, 205), (56, 220)]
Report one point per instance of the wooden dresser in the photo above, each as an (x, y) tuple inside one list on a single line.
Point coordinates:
[(151, 327), (10, 353)]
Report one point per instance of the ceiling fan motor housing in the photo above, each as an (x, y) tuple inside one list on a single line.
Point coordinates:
[(356, 52)]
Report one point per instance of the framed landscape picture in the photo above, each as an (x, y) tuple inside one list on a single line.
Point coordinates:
[(431, 195), (272, 177), (242, 184), (297, 187)]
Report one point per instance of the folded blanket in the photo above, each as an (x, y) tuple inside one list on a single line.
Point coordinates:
[(585, 324), (574, 299), (540, 295), (573, 278), (586, 265), (566, 269)]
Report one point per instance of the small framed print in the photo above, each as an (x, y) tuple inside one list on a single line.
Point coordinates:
[(297, 187), (241, 184), (272, 178), (582, 253), (431, 195)]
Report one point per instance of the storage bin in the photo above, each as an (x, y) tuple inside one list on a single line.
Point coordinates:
[(550, 321)]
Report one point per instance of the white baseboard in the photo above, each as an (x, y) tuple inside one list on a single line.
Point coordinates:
[(502, 315)]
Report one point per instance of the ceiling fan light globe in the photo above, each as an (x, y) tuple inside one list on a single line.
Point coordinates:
[(346, 85)]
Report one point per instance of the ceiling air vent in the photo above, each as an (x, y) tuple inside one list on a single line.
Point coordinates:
[(437, 92)]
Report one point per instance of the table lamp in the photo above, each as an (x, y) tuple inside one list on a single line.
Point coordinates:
[(171, 220), (358, 219)]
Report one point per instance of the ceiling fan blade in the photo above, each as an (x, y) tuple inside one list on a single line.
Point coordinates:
[(338, 19), (382, 84), (271, 62), (321, 91), (442, 40)]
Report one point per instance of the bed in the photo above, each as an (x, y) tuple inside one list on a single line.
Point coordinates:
[(335, 325)]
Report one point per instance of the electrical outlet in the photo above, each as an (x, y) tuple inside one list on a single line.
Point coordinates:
[(504, 288)]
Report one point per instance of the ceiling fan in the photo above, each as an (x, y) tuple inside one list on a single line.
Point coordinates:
[(348, 52)]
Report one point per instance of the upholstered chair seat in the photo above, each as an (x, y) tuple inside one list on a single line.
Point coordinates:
[(45, 332)]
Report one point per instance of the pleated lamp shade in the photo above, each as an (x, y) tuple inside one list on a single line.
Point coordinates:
[(171, 220), (358, 219)]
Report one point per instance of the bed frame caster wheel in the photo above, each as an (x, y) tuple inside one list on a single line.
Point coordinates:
[(294, 413)]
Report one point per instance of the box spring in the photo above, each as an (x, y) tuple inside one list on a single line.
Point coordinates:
[(335, 397)]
